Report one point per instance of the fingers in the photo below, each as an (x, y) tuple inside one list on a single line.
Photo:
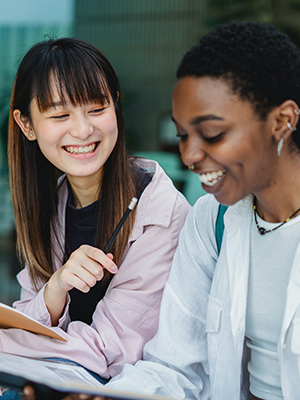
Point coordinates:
[(82, 270), (87, 397), (110, 256), (28, 393), (104, 259)]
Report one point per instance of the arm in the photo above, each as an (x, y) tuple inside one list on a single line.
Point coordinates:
[(175, 362), (127, 317), (82, 270)]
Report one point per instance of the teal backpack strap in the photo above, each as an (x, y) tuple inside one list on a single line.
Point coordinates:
[(220, 225)]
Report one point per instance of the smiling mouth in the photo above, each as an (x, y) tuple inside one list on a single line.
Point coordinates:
[(81, 149), (211, 178)]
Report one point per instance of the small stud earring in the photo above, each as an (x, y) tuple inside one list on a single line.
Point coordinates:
[(279, 147), (191, 167), (31, 135), (290, 126)]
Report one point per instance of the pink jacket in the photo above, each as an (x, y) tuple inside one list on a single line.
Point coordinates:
[(127, 317)]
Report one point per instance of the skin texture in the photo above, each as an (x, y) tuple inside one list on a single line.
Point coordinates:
[(65, 127), (220, 132)]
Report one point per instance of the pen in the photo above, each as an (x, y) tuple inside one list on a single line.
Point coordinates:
[(120, 224)]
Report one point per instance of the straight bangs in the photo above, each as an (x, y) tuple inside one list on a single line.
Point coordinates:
[(74, 76)]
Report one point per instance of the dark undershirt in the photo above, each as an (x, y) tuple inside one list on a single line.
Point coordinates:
[(81, 226)]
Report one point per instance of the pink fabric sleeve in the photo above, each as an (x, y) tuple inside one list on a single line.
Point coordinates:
[(124, 320), (32, 303)]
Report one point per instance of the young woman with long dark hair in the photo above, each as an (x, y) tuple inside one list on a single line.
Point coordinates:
[(71, 182)]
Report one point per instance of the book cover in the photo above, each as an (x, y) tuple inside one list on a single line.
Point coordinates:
[(11, 318)]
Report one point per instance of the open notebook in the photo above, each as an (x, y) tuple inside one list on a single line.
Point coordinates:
[(11, 318), (54, 379)]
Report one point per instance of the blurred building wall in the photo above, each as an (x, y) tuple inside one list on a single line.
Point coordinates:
[(16, 37), (144, 40)]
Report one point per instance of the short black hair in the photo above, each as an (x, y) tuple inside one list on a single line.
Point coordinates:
[(259, 62)]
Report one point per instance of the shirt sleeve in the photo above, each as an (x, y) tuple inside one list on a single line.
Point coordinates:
[(126, 318), (175, 361), (32, 302)]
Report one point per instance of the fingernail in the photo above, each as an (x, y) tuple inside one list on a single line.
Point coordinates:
[(113, 269)]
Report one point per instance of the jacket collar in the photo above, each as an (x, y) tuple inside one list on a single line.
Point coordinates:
[(151, 210), (237, 212)]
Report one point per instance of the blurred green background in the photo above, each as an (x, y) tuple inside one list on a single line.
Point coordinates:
[(144, 40)]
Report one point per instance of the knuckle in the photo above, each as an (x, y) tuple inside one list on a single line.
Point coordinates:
[(83, 287), (99, 271)]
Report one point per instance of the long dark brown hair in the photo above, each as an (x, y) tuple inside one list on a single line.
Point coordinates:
[(82, 74)]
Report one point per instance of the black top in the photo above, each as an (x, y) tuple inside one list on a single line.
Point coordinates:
[(81, 226)]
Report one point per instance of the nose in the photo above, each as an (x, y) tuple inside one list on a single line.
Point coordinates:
[(191, 151), (82, 127)]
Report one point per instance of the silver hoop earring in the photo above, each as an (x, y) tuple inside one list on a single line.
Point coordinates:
[(290, 126), (191, 167), (279, 147), (297, 112)]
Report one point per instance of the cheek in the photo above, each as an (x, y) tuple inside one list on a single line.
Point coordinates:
[(110, 127)]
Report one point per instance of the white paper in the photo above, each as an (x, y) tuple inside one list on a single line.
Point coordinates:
[(63, 376), (48, 372)]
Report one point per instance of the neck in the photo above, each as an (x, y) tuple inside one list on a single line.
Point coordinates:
[(281, 198), (85, 191)]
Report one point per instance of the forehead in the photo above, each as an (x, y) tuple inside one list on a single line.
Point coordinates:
[(77, 90), (193, 97)]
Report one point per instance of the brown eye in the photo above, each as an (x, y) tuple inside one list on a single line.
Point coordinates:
[(213, 139)]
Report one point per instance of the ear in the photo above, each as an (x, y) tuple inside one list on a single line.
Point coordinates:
[(24, 125), (285, 120)]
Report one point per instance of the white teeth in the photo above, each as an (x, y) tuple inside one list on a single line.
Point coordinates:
[(203, 178), (211, 178), (81, 150)]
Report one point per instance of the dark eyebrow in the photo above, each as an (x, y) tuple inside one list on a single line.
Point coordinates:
[(198, 120)]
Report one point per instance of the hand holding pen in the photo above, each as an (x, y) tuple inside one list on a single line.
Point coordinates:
[(81, 271)]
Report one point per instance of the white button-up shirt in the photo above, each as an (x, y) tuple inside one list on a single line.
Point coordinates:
[(199, 349)]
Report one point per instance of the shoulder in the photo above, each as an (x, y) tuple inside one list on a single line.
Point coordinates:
[(205, 211), (201, 220), (160, 200)]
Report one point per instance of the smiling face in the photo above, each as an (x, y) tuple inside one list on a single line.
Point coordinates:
[(232, 150), (76, 139)]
